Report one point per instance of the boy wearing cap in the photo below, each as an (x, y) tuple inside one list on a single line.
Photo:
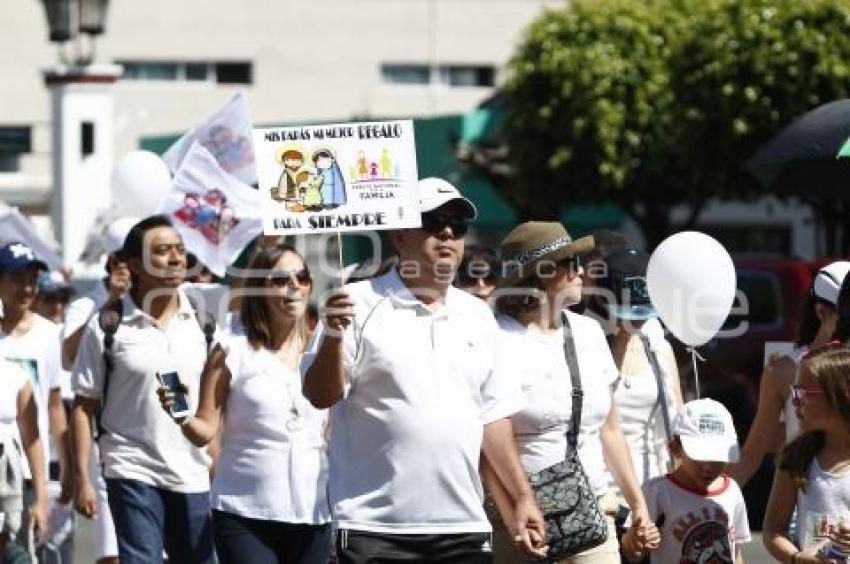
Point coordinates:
[(698, 509), (407, 364)]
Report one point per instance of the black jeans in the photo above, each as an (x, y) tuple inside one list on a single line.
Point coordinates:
[(240, 539), (358, 547)]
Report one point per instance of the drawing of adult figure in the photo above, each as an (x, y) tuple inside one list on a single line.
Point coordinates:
[(410, 368), (541, 279), (269, 491), (287, 184), (333, 183), (386, 164)]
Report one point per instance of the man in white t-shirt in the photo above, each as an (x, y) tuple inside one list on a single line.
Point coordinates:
[(32, 342), (158, 482), (409, 364)]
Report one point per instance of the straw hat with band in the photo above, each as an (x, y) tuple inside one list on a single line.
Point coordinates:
[(533, 242)]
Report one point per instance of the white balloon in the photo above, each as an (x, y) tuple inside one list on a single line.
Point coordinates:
[(140, 181), (692, 283)]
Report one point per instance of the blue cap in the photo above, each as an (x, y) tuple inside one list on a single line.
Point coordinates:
[(18, 257)]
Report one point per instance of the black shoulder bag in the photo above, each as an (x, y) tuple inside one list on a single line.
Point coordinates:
[(574, 522)]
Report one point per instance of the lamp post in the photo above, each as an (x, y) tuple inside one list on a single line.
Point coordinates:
[(82, 121)]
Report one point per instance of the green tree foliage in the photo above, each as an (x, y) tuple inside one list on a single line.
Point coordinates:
[(654, 103)]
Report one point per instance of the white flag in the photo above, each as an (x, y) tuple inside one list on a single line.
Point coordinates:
[(215, 213), (227, 135)]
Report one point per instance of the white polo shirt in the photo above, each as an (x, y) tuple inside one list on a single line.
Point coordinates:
[(406, 438), (142, 442)]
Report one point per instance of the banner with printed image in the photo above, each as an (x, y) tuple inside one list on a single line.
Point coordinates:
[(226, 135), (338, 177), (215, 214)]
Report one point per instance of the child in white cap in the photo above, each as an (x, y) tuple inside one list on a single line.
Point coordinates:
[(698, 509)]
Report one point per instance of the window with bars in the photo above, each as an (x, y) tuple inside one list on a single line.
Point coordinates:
[(220, 72), (449, 75)]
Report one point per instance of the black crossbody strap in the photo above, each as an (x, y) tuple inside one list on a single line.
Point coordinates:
[(109, 318), (575, 378)]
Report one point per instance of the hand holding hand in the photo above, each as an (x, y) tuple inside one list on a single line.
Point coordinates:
[(529, 530)]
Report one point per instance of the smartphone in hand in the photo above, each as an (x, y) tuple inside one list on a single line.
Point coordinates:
[(171, 381)]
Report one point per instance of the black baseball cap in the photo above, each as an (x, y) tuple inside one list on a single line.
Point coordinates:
[(625, 278)]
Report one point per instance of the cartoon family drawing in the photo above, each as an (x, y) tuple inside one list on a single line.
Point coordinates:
[(304, 187), (209, 214), (383, 168)]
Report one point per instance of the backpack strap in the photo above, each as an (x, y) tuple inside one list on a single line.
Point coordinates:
[(108, 318)]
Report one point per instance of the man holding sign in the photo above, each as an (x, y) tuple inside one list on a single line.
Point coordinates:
[(410, 366)]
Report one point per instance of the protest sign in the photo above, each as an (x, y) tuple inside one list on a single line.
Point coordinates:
[(337, 177), (215, 213)]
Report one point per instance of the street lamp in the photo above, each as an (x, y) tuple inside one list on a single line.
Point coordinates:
[(71, 20), (82, 120)]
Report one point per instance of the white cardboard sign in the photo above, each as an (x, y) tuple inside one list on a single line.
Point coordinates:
[(337, 177)]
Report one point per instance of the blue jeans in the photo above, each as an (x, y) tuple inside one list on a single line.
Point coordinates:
[(148, 519)]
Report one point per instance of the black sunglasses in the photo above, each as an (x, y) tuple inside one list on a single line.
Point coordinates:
[(282, 277), (435, 223)]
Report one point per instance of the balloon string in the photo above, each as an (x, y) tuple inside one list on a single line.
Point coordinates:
[(694, 356)]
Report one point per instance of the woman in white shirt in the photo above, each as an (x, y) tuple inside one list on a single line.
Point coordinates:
[(622, 300), (541, 277), (268, 492)]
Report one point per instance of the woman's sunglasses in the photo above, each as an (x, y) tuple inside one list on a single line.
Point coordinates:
[(435, 223), (283, 277)]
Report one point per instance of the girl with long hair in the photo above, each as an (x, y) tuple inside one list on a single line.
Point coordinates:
[(813, 472), (268, 492)]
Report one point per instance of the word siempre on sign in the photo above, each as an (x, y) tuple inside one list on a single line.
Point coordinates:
[(337, 177), (335, 222)]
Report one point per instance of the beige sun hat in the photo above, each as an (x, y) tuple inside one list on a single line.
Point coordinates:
[(530, 243)]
